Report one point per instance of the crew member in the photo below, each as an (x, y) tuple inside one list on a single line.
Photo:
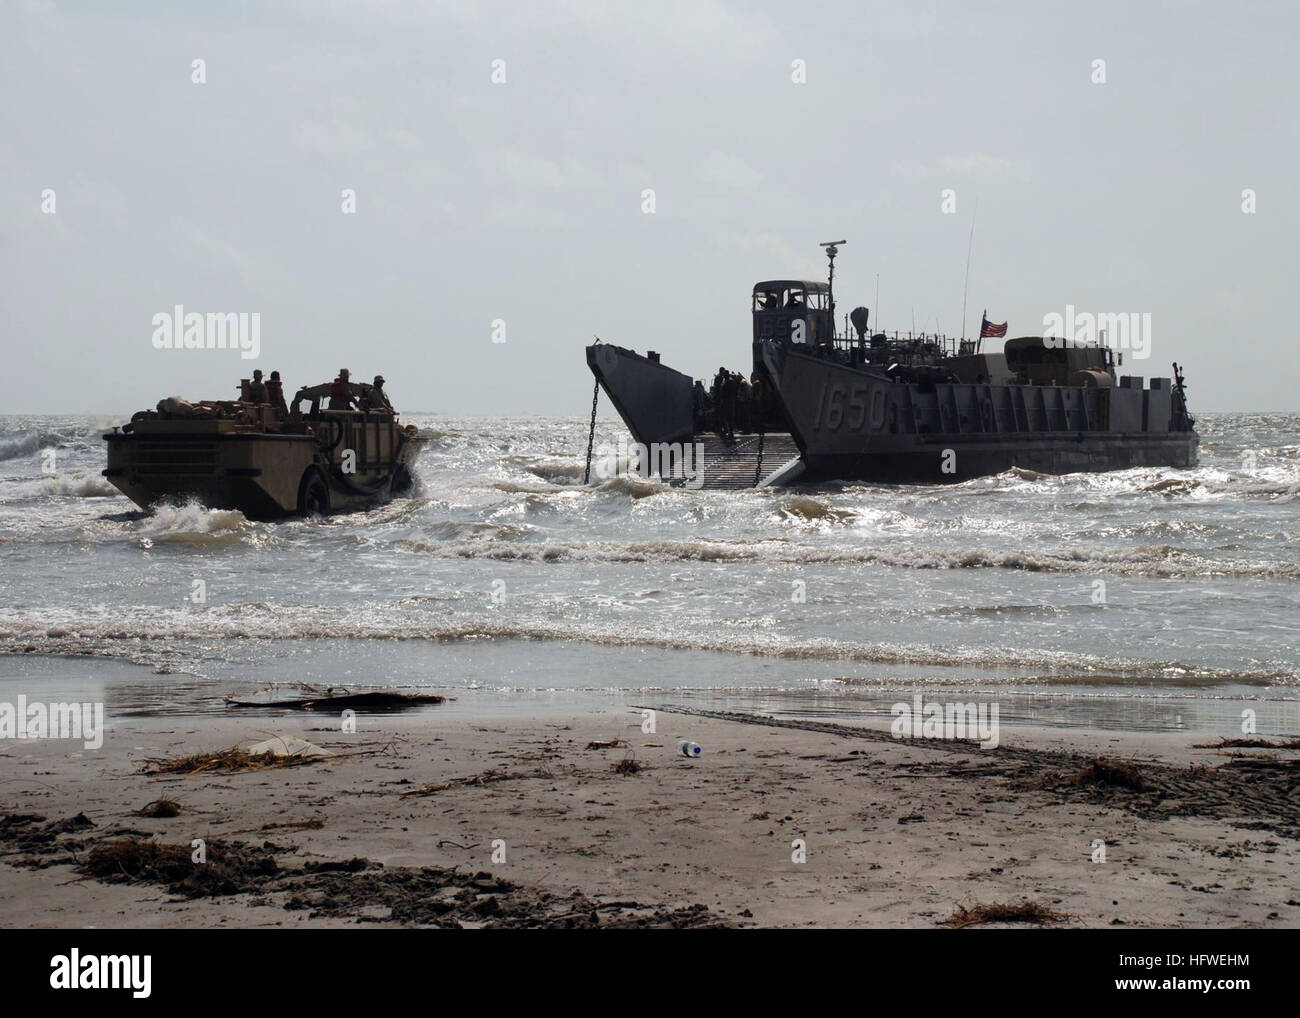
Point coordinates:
[(275, 394), (376, 398), (727, 404), (341, 397), (257, 388), (715, 390)]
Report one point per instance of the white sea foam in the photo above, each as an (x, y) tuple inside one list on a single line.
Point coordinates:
[(127, 629), (193, 523)]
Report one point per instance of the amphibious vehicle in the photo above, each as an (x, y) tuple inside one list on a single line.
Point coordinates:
[(266, 461)]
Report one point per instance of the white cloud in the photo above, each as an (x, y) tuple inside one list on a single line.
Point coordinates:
[(969, 161), (727, 170), (966, 162), (781, 258), (530, 170), (333, 137)]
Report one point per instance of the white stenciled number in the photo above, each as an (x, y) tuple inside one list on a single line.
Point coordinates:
[(877, 408), (837, 405), (835, 408), (858, 407)]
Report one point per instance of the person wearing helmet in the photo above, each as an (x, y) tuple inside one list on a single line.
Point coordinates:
[(257, 388), (376, 398)]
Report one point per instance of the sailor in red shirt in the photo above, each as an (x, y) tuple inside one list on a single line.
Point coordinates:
[(275, 394), (341, 397)]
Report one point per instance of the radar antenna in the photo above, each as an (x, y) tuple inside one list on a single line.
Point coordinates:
[(832, 249)]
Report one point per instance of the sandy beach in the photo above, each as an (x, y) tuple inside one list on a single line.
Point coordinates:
[(428, 820)]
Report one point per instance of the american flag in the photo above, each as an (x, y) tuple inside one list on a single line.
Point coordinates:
[(988, 329)]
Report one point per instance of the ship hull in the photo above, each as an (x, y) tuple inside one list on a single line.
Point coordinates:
[(945, 459), (852, 423)]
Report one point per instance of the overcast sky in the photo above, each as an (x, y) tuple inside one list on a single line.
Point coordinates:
[(522, 201)]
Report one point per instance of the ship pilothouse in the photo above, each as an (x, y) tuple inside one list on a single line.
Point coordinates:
[(802, 313)]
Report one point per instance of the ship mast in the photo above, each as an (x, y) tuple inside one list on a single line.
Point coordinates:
[(832, 249)]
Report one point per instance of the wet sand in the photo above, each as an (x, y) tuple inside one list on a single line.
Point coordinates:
[(896, 834)]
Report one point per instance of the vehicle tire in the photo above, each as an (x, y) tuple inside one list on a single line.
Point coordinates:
[(313, 494)]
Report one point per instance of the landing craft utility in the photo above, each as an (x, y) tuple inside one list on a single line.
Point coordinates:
[(263, 457), (903, 409)]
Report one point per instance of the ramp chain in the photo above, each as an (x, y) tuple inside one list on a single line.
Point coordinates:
[(591, 432)]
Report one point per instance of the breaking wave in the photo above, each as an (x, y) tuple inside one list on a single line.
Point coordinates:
[(193, 523), (25, 445), (84, 485), (637, 487), (805, 507), (81, 437), (558, 473), (129, 634), (1147, 560)]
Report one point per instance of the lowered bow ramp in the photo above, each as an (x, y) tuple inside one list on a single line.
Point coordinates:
[(656, 404), (734, 465), (653, 399)]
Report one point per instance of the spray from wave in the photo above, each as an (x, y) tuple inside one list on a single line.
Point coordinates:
[(193, 523)]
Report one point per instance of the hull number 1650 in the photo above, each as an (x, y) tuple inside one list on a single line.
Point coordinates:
[(853, 407)]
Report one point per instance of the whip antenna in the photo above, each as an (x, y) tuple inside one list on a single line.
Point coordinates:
[(966, 288)]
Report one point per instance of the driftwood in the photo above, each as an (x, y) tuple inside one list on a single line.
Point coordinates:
[(342, 701)]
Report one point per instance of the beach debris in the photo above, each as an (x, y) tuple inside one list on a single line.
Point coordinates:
[(1113, 773), (687, 748), (31, 839), (314, 824), (159, 808), (281, 745), (1248, 744), (605, 743), (302, 697), (1004, 912), (271, 753), (486, 778), (364, 889), (627, 766), (226, 761), (228, 869)]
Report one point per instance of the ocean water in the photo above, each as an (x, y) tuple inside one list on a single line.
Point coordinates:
[(1147, 598)]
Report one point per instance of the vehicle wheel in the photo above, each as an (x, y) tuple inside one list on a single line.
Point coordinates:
[(313, 494)]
